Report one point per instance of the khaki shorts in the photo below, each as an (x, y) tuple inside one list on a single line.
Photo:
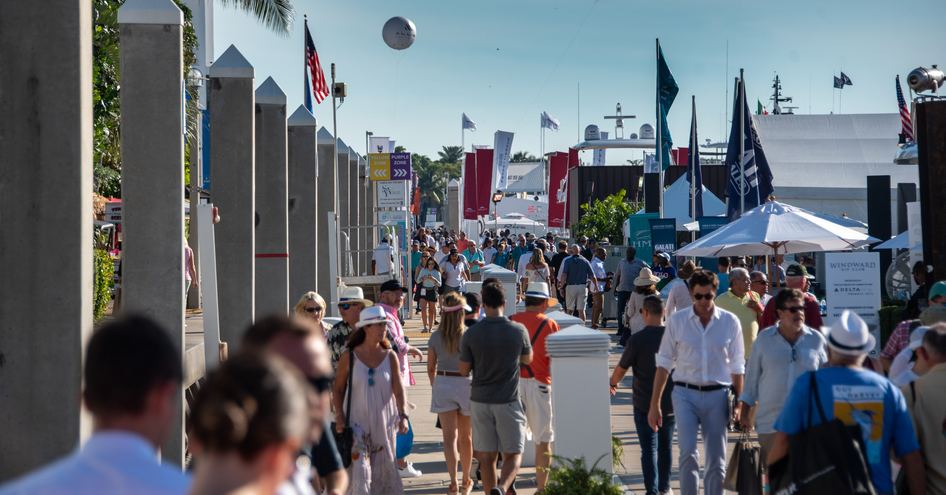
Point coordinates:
[(536, 398), (575, 297), (498, 427)]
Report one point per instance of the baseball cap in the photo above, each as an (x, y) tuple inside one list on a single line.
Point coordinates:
[(937, 290), (796, 270), (393, 285)]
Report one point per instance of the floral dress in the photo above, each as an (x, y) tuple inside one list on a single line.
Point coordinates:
[(374, 419)]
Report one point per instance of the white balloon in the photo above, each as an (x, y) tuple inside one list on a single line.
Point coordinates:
[(399, 33)]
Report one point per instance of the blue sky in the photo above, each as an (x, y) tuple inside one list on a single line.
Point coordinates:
[(504, 62)]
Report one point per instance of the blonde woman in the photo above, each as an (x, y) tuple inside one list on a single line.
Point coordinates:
[(311, 305), (450, 395), (537, 270)]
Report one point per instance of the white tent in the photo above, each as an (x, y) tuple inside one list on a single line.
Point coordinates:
[(517, 224), (527, 208), (677, 204)]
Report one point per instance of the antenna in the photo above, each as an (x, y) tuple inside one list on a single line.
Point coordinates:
[(619, 124), (777, 98)]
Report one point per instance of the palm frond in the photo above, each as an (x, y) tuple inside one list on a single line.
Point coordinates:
[(274, 14)]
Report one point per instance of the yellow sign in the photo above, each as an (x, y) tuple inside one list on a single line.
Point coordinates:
[(379, 166)]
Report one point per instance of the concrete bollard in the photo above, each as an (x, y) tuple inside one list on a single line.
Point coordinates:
[(325, 184), (153, 175), (508, 279), (452, 213), (272, 200), (232, 190), (581, 402), (46, 240), (303, 217)]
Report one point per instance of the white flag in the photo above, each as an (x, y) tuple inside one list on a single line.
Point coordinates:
[(599, 154), (468, 123), (502, 152), (549, 122)]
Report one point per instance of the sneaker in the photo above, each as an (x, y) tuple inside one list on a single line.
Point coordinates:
[(668, 492), (409, 471)]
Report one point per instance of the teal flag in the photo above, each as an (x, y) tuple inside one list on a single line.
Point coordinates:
[(667, 90)]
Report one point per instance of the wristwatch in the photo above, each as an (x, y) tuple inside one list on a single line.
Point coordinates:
[(404, 416)]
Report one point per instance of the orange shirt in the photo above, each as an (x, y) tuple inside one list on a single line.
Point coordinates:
[(540, 358)]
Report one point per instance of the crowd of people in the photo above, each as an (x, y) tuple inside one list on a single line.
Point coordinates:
[(307, 407)]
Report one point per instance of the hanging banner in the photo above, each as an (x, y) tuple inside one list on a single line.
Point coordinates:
[(484, 182), (558, 189), (502, 146), (639, 234), (851, 283), (573, 163), (707, 225), (469, 186), (599, 154), (663, 234)]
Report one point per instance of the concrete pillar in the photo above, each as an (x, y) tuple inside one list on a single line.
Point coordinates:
[(272, 200), (452, 211), (303, 209), (324, 186), (354, 210), (344, 205), (153, 175), (373, 238), (46, 244), (232, 189)]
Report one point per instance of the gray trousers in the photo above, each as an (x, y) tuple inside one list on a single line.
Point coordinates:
[(706, 411)]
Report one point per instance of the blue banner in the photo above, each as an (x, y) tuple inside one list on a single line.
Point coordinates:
[(639, 235), (707, 225), (663, 234)]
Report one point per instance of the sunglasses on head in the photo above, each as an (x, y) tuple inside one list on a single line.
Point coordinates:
[(794, 309), (321, 384), (709, 297), (315, 309)]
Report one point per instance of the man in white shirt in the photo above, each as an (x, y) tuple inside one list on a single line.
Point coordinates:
[(383, 258), (703, 346), (133, 376)]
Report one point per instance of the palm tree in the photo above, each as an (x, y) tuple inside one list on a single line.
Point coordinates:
[(451, 154), (274, 14), (523, 156), (432, 178)]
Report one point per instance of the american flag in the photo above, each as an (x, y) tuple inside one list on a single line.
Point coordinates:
[(905, 122), (313, 67)]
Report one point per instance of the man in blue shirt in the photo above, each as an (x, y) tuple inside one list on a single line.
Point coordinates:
[(573, 278), (856, 396)]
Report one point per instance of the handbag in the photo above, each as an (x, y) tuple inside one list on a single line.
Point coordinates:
[(744, 471), (345, 440), (823, 459)]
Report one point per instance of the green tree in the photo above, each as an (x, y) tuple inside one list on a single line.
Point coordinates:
[(523, 156), (605, 218), (450, 154), (274, 14), (432, 179)]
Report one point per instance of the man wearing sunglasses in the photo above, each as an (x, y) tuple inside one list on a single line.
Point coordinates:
[(351, 300), (703, 346), (302, 345), (780, 354)]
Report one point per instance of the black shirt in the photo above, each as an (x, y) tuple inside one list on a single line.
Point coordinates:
[(557, 260), (325, 457), (639, 357)]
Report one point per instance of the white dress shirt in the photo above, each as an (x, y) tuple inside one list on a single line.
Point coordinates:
[(678, 296), (702, 356), (111, 462)]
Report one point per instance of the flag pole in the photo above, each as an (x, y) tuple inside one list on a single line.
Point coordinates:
[(542, 154), (338, 235), (693, 164), (742, 144), (660, 144)]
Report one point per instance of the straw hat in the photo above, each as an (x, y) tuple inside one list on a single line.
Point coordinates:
[(849, 335), (370, 316), (645, 278), (353, 295)]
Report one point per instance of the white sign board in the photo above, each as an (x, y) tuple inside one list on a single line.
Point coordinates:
[(392, 194), (914, 236), (852, 283)]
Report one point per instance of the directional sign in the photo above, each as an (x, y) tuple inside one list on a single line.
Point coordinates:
[(379, 166), (400, 166)]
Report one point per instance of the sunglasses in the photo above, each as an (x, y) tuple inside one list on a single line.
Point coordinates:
[(370, 377), (794, 309), (321, 384), (345, 306), (315, 309), (709, 297)]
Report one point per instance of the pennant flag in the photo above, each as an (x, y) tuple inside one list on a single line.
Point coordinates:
[(906, 123), (838, 83), (502, 144), (846, 81), (468, 123), (548, 122), (694, 171), (750, 178), (667, 90), (314, 68)]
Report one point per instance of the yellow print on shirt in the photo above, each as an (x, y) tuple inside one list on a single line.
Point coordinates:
[(862, 405)]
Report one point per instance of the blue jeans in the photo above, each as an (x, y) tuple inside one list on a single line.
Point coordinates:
[(707, 413), (623, 297), (656, 456)]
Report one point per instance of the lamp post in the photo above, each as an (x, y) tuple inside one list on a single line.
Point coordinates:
[(497, 197)]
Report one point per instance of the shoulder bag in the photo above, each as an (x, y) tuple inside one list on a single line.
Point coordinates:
[(345, 440)]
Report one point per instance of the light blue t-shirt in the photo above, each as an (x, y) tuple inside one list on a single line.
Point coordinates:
[(862, 397), (723, 283)]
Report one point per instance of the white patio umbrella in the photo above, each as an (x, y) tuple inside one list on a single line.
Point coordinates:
[(776, 228)]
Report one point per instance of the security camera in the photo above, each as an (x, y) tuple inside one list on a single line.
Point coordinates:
[(922, 79)]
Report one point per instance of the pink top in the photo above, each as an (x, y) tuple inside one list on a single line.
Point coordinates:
[(397, 334)]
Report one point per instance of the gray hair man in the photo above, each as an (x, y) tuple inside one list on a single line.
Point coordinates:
[(742, 302)]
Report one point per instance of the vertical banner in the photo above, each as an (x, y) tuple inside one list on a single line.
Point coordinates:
[(469, 186), (573, 163), (484, 180), (663, 234), (707, 225), (851, 284), (502, 146), (558, 192), (639, 234), (599, 154)]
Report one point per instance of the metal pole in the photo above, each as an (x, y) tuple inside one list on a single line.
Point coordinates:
[(742, 143), (335, 205), (694, 164), (660, 143)]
